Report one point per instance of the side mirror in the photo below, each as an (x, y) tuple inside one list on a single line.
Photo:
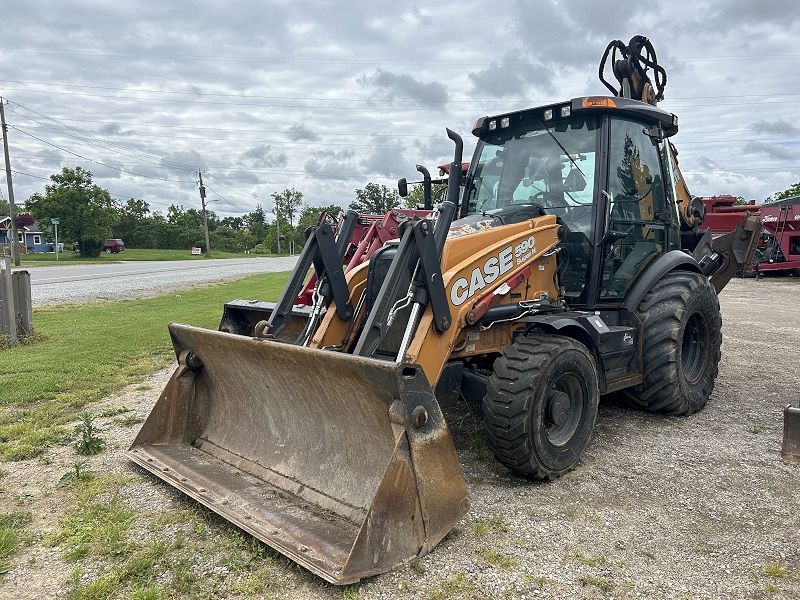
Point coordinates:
[(402, 187)]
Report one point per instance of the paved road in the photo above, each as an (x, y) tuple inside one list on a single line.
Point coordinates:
[(139, 279)]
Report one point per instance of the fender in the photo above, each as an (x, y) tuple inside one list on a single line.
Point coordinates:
[(674, 260)]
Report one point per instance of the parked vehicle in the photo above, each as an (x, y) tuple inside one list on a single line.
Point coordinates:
[(114, 246)]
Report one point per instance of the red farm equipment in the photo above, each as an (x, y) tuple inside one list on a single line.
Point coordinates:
[(723, 214), (781, 222)]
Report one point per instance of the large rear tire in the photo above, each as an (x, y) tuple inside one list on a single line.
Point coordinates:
[(541, 405), (681, 346)]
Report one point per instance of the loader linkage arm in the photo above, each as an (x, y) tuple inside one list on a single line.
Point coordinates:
[(722, 257), (325, 254)]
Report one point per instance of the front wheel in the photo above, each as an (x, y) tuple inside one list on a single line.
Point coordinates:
[(681, 345), (108, 251), (541, 405)]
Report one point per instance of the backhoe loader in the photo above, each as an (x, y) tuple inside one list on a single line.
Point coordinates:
[(567, 263)]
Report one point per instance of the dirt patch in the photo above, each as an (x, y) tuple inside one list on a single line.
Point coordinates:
[(660, 507)]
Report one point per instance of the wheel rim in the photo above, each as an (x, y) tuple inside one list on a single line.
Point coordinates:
[(694, 349), (566, 400)]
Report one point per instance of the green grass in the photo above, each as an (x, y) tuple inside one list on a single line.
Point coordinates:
[(598, 582), (456, 587), (74, 258), (775, 570), (589, 561), (498, 559), (82, 354), (485, 526), (12, 536)]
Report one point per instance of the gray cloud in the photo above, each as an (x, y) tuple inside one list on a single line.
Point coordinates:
[(398, 86), (114, 129), (778, 127), (770, 150), (301, 132), (511, 76), (729, 13), (422, 18), (388, 159), (260, 157), (182, 160)]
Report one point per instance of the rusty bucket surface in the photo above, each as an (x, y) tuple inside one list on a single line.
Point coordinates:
[(342, 463), (791, 434)]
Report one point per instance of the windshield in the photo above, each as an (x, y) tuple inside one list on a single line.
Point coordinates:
[(530, 167)]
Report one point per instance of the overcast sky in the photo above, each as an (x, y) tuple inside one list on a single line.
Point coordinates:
[(328, 96)]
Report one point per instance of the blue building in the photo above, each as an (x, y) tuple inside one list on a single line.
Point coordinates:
[(33, 238)]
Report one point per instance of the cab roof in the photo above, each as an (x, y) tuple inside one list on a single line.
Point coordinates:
[(586, 105)]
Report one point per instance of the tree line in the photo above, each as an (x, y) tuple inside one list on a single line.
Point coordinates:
[(88, 215)]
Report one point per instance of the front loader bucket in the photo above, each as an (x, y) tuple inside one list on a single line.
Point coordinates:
[(342, 463), (791, 434)]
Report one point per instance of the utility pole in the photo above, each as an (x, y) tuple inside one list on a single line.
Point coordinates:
[(14, 245), (205, 213)]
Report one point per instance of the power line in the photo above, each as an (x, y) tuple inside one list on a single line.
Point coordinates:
[(425, 61), (95, 161), (317, 98)]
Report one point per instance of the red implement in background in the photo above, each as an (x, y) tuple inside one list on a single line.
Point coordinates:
[(371, 232), (781, 220)]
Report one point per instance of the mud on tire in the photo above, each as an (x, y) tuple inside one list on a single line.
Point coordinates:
[(681, 346), (541, 405)]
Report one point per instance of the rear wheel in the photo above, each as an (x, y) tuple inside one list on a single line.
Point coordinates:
[(681, 346), (108, 250), (541, 405)]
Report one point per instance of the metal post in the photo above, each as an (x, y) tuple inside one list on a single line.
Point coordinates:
[(205, 213), (278, 230), (11, 208), (56, 242)]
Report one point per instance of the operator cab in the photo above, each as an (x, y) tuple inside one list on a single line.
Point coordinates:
[(602, 167)]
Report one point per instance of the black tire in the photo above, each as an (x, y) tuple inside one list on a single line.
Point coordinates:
[(108, 250), (681, 346), (541, 405)]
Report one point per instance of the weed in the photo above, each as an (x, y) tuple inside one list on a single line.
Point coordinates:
[(498, 558), (113, 412), (775, 570), (418, 568), (89, 443), (143, 388), (771, 587), (484, 526), (80, 472), (598, 582), (476, 480), (754, 429)]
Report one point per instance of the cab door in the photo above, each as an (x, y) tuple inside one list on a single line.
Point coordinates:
[(638, 220)]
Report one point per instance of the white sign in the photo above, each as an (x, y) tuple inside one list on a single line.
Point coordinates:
[(197, 251)]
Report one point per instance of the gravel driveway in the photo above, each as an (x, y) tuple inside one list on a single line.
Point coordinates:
[(659, 507)]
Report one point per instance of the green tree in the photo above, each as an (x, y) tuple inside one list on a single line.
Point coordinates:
[(375, 199), (86, 211), (131, 215), (790, 192), (309, 216), (287, 204), (416, 195)]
